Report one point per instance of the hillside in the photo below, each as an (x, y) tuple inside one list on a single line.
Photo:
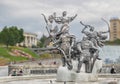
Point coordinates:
[(15, 54)]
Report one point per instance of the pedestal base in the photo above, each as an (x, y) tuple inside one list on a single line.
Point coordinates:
[(86, 77), (63, 74)]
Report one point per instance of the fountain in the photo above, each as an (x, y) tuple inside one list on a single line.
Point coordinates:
[(80, 60)]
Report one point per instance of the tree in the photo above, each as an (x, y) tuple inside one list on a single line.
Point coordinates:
[(11, 35), (115, 42), (42, 41), (21, 38)]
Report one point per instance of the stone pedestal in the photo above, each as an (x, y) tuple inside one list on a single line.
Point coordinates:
[(97, 66), (75, 65), (63, 74), (86, 77)]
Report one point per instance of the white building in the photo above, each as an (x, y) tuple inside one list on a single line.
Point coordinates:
[(30, 40)]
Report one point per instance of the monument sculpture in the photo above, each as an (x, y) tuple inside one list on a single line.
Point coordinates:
[(77, 57), (86, 56)]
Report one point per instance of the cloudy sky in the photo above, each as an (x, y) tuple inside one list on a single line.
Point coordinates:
[(26, 14)]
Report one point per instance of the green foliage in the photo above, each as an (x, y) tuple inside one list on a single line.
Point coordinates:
[(45, 56), (115, 42), (42, 41), (27, 50), (21, 36), (5, 53), (11, 35), (49, 56), (4, 61)]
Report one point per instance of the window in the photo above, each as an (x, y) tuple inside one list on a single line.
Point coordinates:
[(114, 23), (115, 31), (114, 26), (115, 34), (115, 37)]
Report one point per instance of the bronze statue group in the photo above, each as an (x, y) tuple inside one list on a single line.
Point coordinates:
[(85, 51)]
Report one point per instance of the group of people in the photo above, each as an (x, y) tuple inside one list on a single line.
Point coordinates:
[(86, 51), (16, 72)]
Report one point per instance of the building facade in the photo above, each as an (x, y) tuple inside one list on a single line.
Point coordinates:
[(114, 29), (30, 40)]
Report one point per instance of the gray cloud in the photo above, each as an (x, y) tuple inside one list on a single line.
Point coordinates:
[(26, 14)]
